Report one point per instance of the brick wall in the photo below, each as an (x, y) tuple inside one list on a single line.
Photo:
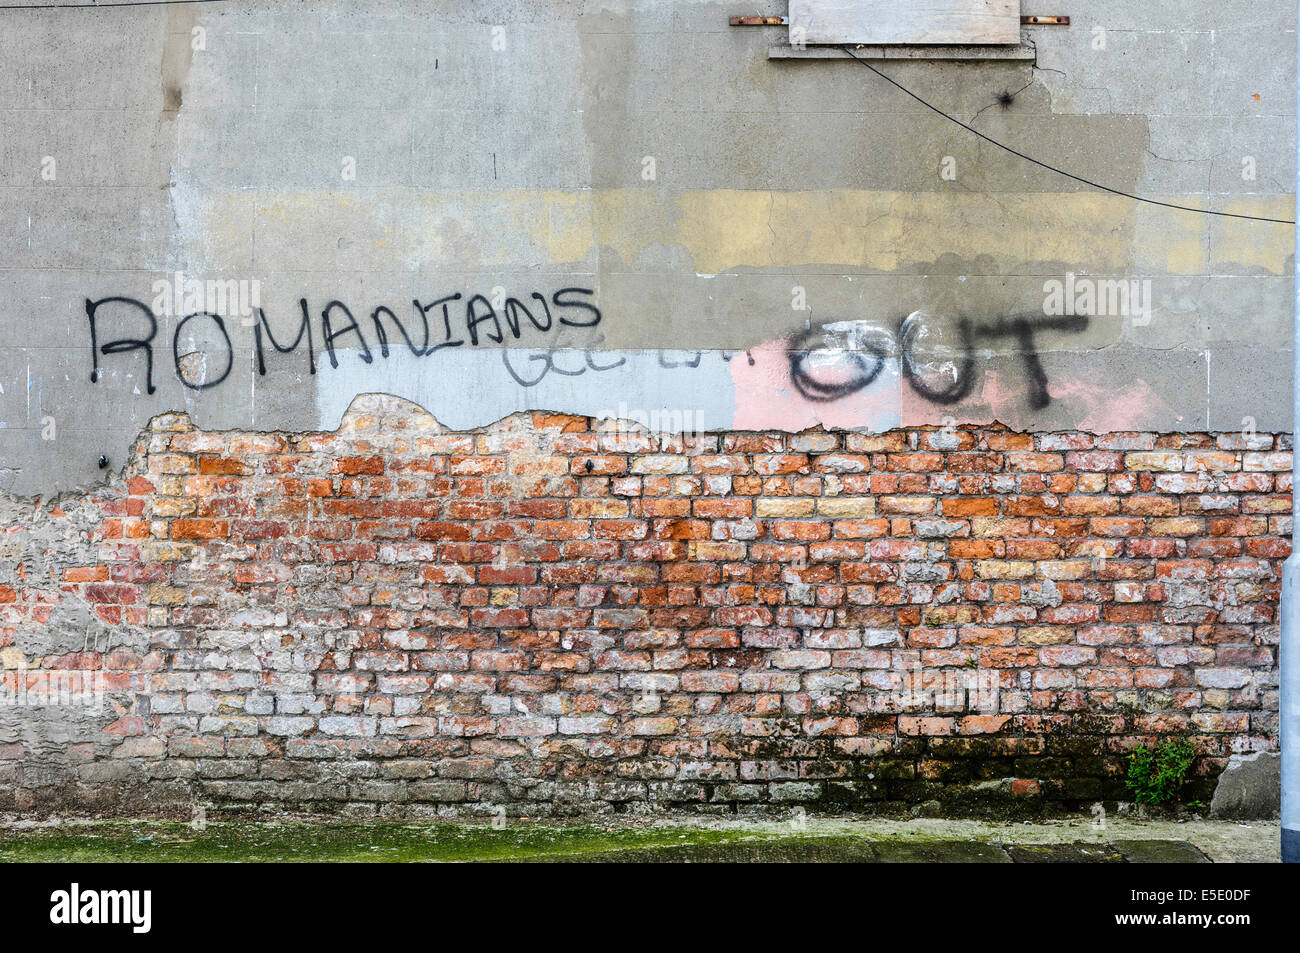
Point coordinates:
[(562, 620)]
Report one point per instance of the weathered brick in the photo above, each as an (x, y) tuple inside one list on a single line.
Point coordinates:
[(544, 602)]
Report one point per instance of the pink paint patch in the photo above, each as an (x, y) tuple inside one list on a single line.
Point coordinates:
[(1008, 403), (1104, 410), (767, 399), (1085, 404)]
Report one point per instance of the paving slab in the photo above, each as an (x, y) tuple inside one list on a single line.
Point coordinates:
[(792, 851), (679, 840), (942, 852), (1065, 854), (1160, 852)]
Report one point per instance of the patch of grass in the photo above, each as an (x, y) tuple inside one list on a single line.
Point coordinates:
[(1156, 775)]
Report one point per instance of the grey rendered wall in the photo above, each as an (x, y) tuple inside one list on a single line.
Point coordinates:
[(765, 243)]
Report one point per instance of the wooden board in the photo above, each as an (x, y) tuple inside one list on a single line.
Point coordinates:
[(905, 21)]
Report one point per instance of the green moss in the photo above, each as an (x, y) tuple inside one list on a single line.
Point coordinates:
[(619, 841), (161, 841)]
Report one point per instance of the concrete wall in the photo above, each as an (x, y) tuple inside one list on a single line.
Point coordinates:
[(388, 153), (298, 558)]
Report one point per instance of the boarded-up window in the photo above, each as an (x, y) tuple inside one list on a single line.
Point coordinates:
[(876, 22)]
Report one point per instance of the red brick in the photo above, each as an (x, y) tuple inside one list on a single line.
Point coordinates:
[(199, 529), (738, 609), (359, 466), (221, 466)]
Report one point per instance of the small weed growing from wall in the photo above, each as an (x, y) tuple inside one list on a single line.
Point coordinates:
[(1156, 775)]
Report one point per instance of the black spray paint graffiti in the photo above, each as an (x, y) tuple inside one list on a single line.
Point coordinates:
[(861, 364), (475, 321)]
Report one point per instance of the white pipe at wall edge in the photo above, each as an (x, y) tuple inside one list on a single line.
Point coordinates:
[(1289, 642)]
